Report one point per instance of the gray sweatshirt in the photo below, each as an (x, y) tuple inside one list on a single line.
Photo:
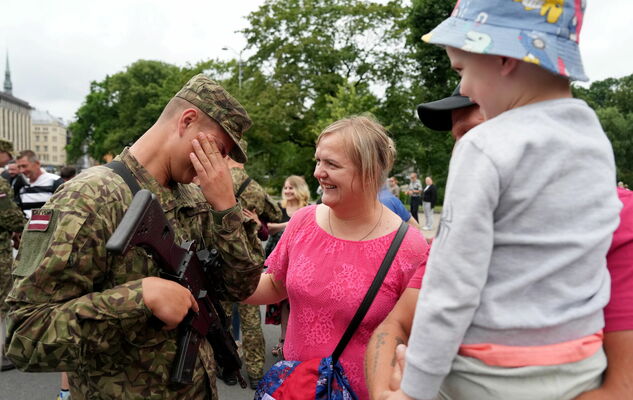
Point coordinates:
[(519, 260)]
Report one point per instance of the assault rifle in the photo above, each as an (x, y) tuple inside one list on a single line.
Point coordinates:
[(144, 224)]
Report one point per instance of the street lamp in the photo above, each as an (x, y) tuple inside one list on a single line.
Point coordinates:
[(239, 65)]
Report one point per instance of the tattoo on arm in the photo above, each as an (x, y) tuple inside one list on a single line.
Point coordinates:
[(399, 340), (380, 341)]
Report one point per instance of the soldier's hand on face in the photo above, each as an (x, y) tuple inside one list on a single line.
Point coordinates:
[(213, 173), (167, 300)]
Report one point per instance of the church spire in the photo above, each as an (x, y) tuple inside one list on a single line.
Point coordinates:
[(8, 86)]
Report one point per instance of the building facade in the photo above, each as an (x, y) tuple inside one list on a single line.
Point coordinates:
[(48, 137), (15, 116)]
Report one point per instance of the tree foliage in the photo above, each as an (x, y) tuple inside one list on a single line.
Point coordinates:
[(313, 62), (322, 60), (119, 109), (613, 101)]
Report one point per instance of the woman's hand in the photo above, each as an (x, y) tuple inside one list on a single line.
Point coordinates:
[(252, 215)]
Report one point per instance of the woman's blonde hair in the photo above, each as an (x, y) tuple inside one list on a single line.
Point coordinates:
[(302, 192), (368, 146)]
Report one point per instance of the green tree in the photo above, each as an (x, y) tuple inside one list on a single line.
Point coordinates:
[(120, 108), (618, 126), (306, 52), (427, 151), (612, 98)]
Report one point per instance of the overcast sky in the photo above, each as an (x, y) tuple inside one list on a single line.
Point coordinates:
[(56, 48)]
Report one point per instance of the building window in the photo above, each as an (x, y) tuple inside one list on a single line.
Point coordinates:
[(37, 148), (37, 138), (54, 138), (45, 148)]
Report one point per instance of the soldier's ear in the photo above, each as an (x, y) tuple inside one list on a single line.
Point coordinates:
[(187, 117)]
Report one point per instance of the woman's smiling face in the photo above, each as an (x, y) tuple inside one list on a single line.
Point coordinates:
[(336, 173)]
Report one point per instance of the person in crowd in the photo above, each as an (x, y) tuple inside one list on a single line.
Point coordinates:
[(6, 155), (11, 172), (457, 114), (260, 208), (393, 203), (429, 197), (384, 375), (11, 221), (295, 195), (517, 280), (618, 314), (41, 185), (330, 253), (16, 180), (393, 186), (109, 320), (67, 173), (415, 195)]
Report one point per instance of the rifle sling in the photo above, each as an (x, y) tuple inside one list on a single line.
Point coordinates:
[(124, 172), (243, 187)]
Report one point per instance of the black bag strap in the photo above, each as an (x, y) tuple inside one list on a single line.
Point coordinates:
[(243, 186), (126, 174), (371, 293)]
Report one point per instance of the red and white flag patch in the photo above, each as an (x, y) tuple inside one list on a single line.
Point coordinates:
[(40, 219)]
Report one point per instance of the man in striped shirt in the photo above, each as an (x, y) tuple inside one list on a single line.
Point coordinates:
[(41, 185)]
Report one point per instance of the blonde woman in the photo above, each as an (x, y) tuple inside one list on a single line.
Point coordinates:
[(295, 195), (330, 253)]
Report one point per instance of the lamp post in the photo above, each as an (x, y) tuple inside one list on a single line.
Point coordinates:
[(239, 65)]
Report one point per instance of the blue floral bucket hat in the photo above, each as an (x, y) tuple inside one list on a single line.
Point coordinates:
[(543, 32)]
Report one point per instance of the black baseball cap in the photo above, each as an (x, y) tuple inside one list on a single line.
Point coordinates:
[(437, 114)]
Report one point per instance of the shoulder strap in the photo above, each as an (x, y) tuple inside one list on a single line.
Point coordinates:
[(243, 186), (124, 172), (371, 293)]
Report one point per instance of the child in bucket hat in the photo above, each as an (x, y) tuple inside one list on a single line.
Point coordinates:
[(511, 305)]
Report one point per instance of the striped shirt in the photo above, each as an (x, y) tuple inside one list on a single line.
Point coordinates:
[(36, 194)]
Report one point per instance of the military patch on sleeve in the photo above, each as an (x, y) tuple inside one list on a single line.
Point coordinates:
[(5, 201), (40, 219)]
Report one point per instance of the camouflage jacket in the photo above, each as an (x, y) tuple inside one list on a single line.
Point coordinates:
[(76, 308), (11, 217), (254, 197)]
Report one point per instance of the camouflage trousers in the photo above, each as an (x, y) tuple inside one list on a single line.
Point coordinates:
[(252, 337), (6, 281)]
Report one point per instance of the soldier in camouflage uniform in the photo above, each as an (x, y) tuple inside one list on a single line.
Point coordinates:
[(253, 198), (11, 220), (76, 308)]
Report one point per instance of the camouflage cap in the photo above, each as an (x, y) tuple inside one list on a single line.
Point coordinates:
[(217, 103), (6, 146)]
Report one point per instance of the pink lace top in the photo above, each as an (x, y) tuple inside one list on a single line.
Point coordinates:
[(327, 278)]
